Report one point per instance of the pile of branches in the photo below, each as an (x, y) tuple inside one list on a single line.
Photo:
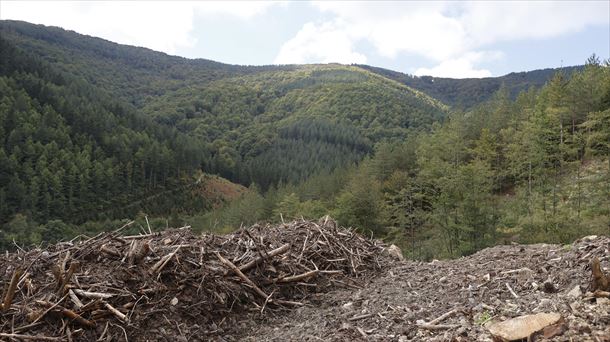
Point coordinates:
[(174, 283)]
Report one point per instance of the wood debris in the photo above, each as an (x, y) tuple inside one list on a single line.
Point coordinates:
[(138, 287)]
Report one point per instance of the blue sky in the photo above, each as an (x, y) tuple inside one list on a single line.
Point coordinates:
[(451, 39)]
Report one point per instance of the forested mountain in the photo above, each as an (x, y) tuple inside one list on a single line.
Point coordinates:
[(132, 73), (287, 125), (70, 151), (96, 130), (256, 124), (468, 92), (91, 130), (532, 169)]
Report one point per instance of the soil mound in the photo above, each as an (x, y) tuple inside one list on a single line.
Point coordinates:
[(177, 286), (511, 290)]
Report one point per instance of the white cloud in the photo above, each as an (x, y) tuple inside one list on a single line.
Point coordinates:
[(163, 26), (462, 67), (450, 33), (325, 43)]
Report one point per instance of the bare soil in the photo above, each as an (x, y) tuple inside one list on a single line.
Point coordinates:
[(393, 305)]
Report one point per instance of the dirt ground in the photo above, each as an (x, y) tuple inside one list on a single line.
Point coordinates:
[(301, 281), (390, 307)]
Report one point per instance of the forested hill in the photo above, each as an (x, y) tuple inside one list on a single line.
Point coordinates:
[(91, 130), (70, 151), (131, 73), (469, 92), (288, 125), (264, 125)]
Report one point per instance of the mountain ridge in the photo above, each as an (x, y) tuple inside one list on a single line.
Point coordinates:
[(216, 69)]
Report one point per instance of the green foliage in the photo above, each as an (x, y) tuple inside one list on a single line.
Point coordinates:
[(92, 131), (470, 92), (70, 152), (529, 170), (285, 126)]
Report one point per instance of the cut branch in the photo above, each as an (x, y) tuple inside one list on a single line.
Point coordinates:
[(243, 276), (299, 277), (92, 295), (31, 337), (10, 291), (511, 291), (116, 312), (260, 259)]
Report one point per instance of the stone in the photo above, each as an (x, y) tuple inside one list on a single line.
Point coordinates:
[(589, 238), (575, 293), (174, 301), (602, 301), (349, 306), (395, 252), (522, 327), (554, 330)]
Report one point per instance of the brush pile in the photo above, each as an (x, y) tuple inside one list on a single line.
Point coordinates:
[(176, 285)]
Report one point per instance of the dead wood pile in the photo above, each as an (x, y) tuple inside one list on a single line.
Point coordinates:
[(175, 284)]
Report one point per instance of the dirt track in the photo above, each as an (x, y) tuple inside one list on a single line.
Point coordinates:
[(390, 307)]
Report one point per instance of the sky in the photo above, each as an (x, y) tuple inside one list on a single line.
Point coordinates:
[(439, 38)]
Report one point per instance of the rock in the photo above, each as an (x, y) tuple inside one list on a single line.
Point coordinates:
[(544, 304), (522, 327), (575, 293), (589, 238), (345, 326), (349, 306), (554, 330), (174, 301), (602, 301), (395, 252)]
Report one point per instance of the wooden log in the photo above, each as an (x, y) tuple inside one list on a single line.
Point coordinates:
[(10, 291), (121, 316), (30, 337), (68, 313), (271, 254), (92, 295), (599, 281), (76, 317), (62, 286), (438, 326), (243, 277), (77, 302), (298, 277), (359, 317), (110, 251), (510, 289), (158, 266), (443, 317)]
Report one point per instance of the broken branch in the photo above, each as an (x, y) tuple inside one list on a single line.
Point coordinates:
[(12, 287)]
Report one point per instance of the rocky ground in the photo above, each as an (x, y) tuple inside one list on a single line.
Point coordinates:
[(474, 291)]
